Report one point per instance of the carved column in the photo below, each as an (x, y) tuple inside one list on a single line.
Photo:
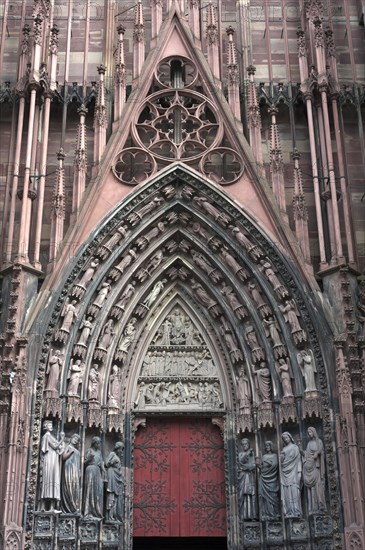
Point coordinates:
[(138, 40), (323, 86), (300, 211), (100, 117), (303, 66), (233, 81), (334, 89), (212, 41), (53, 50), (277, 164), (254, 117), (120, 79), (58, 209)]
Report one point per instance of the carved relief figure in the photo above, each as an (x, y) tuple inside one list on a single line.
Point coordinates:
[(53, 370), (105, 249), (114, 388), (93, 481), (50, 468), (201, 262), (119, 269), (308, 367), (251, 339), (233, 301), (230, 261), (272, 277), (291, 477), (247, 482), (118, 308), (137, 216), (314, 472), (243, 391), (70, 486), (231, 343), (204, 204), (69, 314), (152, 296), (253, 249), (106, 335), (269, 483), (75, 378), (204, 298), (283, 369), (262, 306), (89, 274), (100, 298), (115, 484), (93, 387), (263, 382), (292, 315), (145, 240), (86, 328), (126, 339)]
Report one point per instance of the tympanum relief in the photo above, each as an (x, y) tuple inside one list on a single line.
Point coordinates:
[(178, 371)]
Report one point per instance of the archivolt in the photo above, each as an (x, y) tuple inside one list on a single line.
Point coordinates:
[(182, 232)]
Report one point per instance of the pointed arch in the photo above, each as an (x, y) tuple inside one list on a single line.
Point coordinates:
[(182, 232)]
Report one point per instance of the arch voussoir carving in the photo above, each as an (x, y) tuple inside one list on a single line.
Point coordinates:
[(180, 305)]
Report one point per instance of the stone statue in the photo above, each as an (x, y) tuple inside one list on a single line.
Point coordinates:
[(152, 296), (69, 314), (233, 301), (86, 327), (262, 306), (313, 473), (105, 249), (50, 468), (118, 308), (106, 335), (247, 482), (217, 214), (126, 339), (93, 480), (230, 261), (263, 382), (53, 370), (75, 377), (70, 479), (115, 484), (272, 277), (283, 369), (102, 295), (114, 388), (204, 298), (137, 216), (201, 262), (252, 249), (145, 240), (126, 261), (308, 367), (272, 330), (243, 391), (269, 483), (291, 477), (93, 386), (231, 343), (89, 273)]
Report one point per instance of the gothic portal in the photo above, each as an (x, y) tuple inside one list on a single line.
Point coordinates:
[(180, 377)]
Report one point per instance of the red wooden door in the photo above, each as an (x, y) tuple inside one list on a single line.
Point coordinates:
[(179, 486)]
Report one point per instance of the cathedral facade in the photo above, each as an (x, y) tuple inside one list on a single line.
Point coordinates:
[(183, 307)]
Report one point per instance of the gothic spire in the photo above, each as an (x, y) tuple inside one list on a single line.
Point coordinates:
[(277, 164), (100, 117), (233, 75), (138, 40), (120, 80), (58, 208), (300, 212), (212, 40), (254, 116)]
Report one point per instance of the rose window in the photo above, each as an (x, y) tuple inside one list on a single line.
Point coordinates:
[(177, 122)]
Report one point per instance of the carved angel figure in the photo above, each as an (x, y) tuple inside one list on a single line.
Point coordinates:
[(308, 367), (272, 330)]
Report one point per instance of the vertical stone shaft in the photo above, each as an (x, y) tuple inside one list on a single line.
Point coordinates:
[(194, 18), (300, 209), (120, 79), (80, 163), (212, 41), (303, 67), (58, 209), (138, 41), (156, 19), (100, 117), (277, 164), (254, 117), (233, 76)]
